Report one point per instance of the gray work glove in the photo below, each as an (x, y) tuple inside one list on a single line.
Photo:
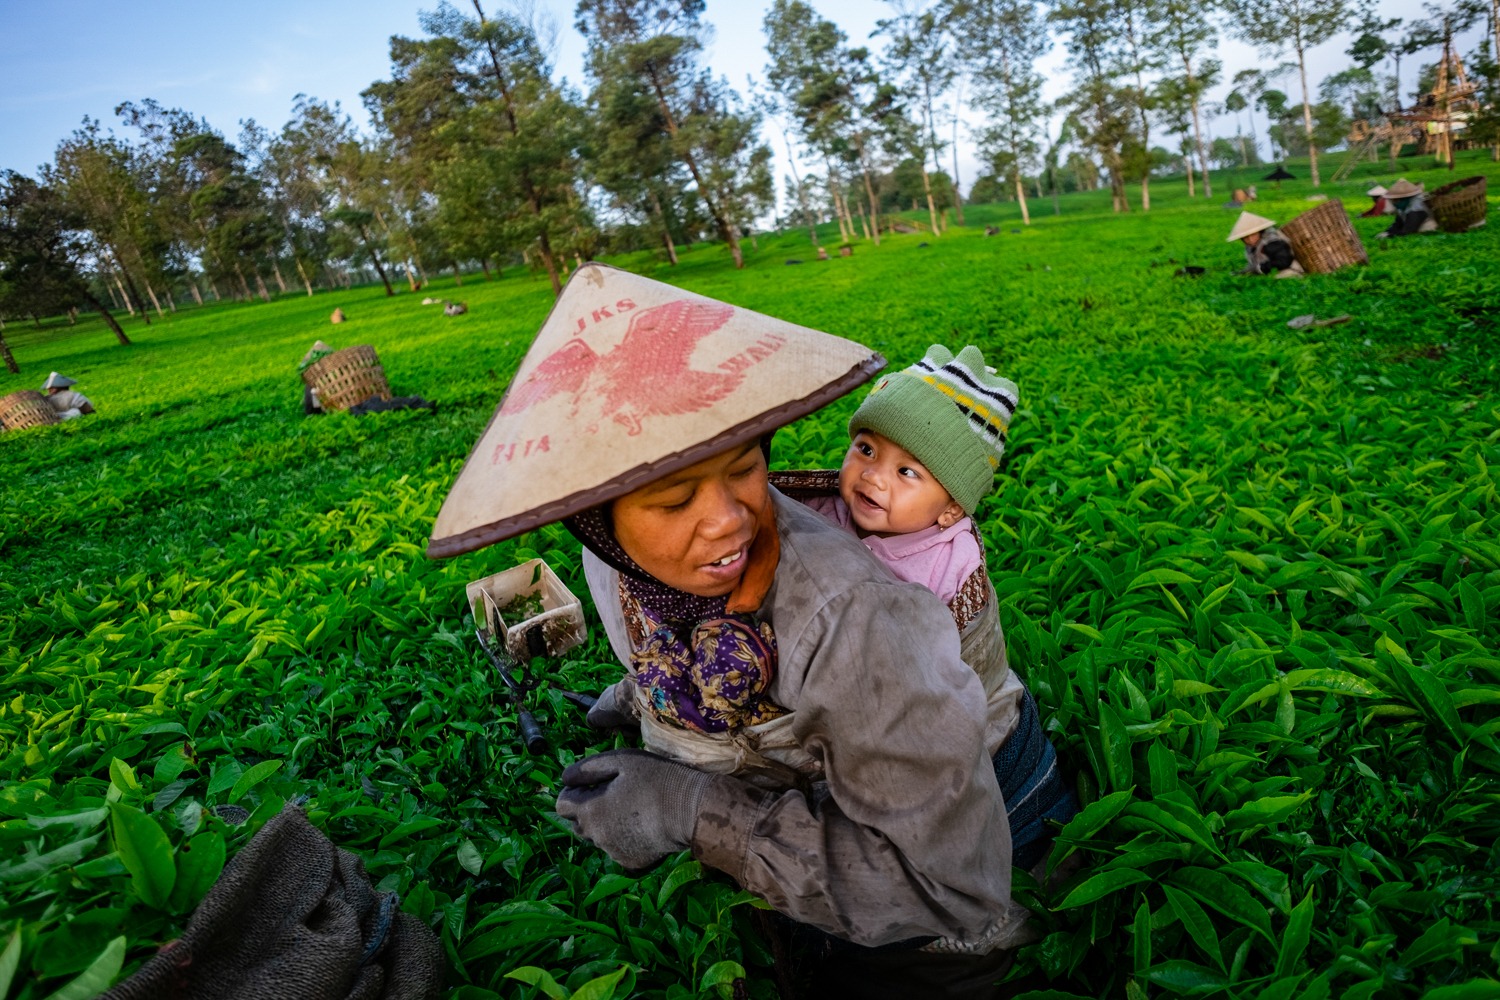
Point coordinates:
[(608, 713), (635, 806)]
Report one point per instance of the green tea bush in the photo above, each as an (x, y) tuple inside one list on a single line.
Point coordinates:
[(1251, 573)]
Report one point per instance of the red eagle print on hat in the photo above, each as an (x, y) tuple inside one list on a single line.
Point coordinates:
[(647, 374)]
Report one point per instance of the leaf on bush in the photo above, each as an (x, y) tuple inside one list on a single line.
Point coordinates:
[(602, 988), (98, 976), (1265, 812), (1187, 978), (607, 886), (1199, 927), (1442, 941), (199, 863), (470, 858), (541, 979), (146, 853), (260, 772), (1101, 885), (1216, 891), (1298, 933), (10, 960)]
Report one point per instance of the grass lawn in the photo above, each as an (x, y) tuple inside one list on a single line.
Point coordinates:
[(1252, 574)]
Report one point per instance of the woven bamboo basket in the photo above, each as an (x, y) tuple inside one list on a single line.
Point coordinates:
[(347, 377), (1324, 239), (1458, 206), (27, 408)]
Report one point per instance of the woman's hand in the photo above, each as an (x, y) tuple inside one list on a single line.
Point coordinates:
[(609, 714), (635, 806)]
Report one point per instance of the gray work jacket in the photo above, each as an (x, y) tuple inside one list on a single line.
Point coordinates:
[(905, 835)]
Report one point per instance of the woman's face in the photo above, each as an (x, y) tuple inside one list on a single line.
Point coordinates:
[(1252, 240), (692, 529)]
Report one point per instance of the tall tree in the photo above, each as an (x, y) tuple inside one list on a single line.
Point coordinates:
[(810, 73), (1100, 109), (660, 44), (96, 175), (921, 56), (41, 255), (1276, 25), (476, 119), (1002, 40), (1179, 34)]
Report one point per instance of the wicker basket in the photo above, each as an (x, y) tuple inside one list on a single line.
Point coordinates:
[(1324, 239), (345, 378), (27, 408), (1458, 206)]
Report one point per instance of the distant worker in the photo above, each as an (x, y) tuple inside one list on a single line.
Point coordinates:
[(1410, 209), (1381, 206), (1266, 250), (69, 403)]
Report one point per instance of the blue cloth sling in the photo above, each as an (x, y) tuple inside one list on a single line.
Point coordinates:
[(1032, 786)]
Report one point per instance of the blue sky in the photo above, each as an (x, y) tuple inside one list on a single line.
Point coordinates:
[(64, 59)]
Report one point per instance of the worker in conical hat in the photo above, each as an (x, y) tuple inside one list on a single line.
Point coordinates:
[(67, 401), (1380, 205), (1410, 208), (640, 417), (1266, 250)]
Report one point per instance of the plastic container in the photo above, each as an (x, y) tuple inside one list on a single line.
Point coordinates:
[(561, 618)]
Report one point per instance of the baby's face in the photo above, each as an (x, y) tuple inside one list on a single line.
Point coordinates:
[(889, 492)]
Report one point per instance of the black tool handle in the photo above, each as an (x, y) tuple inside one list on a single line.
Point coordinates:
[(531, 732)]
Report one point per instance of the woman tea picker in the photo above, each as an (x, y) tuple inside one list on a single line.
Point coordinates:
[(640, 417), (1267, 251)]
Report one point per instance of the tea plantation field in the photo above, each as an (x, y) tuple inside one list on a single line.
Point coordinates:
[(1252, 574)]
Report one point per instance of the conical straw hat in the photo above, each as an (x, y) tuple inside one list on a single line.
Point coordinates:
[(57, 380), (1248, 223), (629, 380), (1377, 191), (1403, 189)]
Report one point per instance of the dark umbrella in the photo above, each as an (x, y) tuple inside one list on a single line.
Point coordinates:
[(1280, 174)]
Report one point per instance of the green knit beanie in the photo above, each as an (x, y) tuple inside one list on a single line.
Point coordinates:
[(951, 413)]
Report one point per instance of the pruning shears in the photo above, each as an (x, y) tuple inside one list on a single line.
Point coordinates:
[(531, 730)]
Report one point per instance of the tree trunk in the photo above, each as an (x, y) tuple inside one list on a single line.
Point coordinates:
[(213, 286), (276, 273), (533, 199), (807, 217), (72, 315), (114, 296), (958, 199), (458, 279), (1187, 162), (302, 273), (389, 291), (1052, 183), (411, 279), (931, 205), (131, 293), (870, 193), (154, 301), (260, 288), (108, 319), (193, 287), (715, 211), (1117, 185), (1208, 186), (1312, 149), (484, 265), (10, 359), (666, 230), (1021, 197)]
